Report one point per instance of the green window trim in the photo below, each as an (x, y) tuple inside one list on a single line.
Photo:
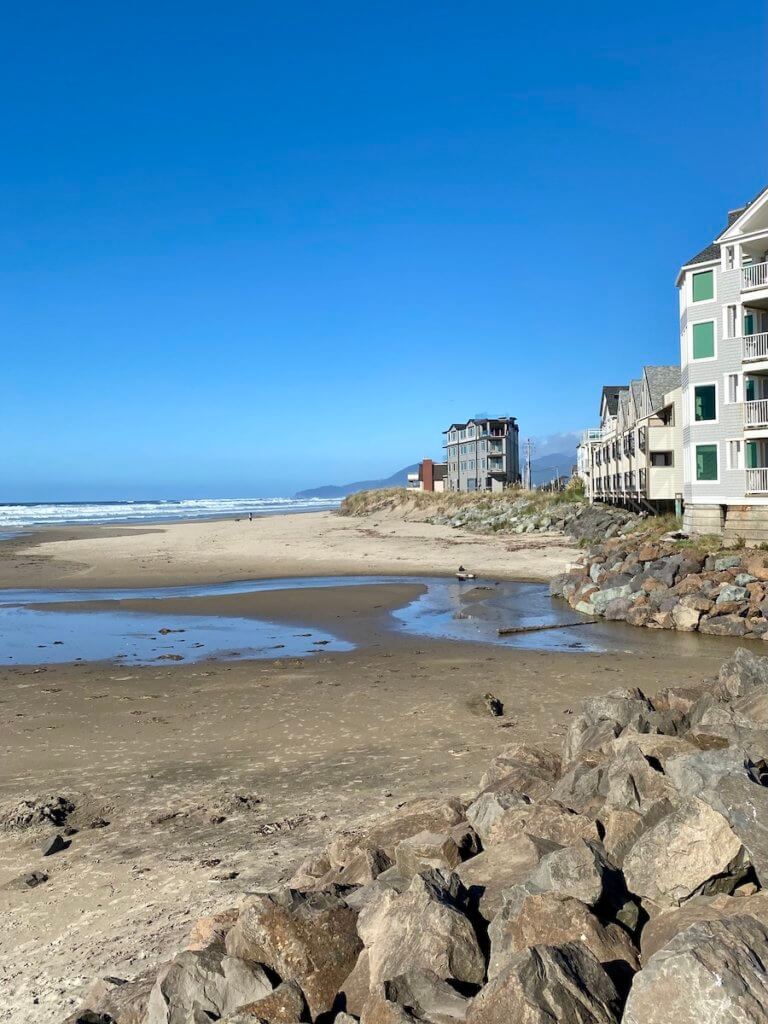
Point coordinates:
[(704, 340), (703, 286), (706, 462), (705, 403), (751, 453)]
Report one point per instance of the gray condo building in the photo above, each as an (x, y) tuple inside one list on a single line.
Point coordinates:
[(482, 454)]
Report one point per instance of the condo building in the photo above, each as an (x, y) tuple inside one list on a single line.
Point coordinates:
[(724, 362), (482, 454), (635, 457)]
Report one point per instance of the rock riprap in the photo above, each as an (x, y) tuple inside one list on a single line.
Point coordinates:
[(618, 881)]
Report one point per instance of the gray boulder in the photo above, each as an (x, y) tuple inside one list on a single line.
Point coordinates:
[(549, 985), (691, 849), (286, 1005), (424, 928), (500, 866), (712, 973), (206, 981)]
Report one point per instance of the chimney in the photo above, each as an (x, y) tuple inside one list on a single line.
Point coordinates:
[(428, 475)]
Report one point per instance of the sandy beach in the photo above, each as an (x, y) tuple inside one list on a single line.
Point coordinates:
[(194, 784), (308, 544)]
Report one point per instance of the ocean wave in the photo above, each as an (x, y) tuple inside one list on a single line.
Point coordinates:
[(19, 515)]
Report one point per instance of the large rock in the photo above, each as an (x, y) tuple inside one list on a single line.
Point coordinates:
[(712, 973), (583, 786), (423, 994), (548, 820), (427, 850), (553, 919), (584, 735), (310, 938), (722, 780), (424, 928), (206, 981), (691, 849), (525, 769), (500, 866), (549, 985), (662, 928), (489, 807), (286, 1005), (422, 815), (634, 784)]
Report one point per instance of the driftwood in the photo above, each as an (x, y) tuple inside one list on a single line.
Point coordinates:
[(508, 630)]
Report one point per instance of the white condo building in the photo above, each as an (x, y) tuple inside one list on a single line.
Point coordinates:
[(724, 364)]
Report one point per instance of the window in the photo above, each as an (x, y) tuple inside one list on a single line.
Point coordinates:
[(662, 459), (732, 388), (735, 451), (706, 462), (704, 340), (703, 286), (705, 403), (730, 257)]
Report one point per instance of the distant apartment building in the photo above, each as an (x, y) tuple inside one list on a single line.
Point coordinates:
[(430, 476), (724, 360), (634, 458), (482, 454)]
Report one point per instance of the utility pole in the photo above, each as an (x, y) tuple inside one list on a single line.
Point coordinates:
[(527, 476)]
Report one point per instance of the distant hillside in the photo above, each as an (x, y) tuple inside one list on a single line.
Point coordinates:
[(397, 479)]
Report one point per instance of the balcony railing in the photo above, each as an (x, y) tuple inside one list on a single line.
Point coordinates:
[(757, 481), (755, 347), (756, 413), (754, 276)]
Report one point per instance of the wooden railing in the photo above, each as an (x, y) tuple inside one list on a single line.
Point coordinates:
[(755, 347), (754, 276), (756, 413), (757, 481)]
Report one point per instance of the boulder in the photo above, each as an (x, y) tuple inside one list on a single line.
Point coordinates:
[(524, 768), (489, 807), (548, 820), (548, 984), (500, 866), (427, 850), (286, 1005), (633, 784), (553, 919), (729, 593), (582, 788), (206, 981), (723, 625), (310, 938), (424, 928), (713, 971), (427, 996), (583, 736), (662, 928), (691, 849), (685, 618), (425, 814), (212, 930)]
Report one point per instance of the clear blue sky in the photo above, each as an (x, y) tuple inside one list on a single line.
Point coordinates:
[(248, 247)]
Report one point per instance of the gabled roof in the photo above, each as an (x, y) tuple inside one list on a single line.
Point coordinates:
[(711, 253), (636, 388), (661, 380), (610, 396)]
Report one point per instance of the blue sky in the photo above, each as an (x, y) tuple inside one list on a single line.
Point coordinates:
[(251, 247)]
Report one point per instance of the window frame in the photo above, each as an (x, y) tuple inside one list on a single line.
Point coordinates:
[(740, 461), (694, 388), (691, 327), (699, 273), (695, 476), (727, 390)]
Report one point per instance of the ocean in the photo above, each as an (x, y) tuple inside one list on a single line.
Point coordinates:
[(16, 516)]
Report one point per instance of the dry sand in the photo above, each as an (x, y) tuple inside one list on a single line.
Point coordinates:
[(309, 544), (217, 778)]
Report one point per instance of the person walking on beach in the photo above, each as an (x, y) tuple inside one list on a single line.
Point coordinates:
[(250, 517)]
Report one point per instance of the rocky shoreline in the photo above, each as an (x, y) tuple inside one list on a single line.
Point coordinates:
[(667, 584), (620, 880)]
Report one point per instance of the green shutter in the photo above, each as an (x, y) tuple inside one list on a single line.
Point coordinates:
[(706, 462), (704, 340), (704, 286), (751, 455), (749, 389), (704, 403), (749, 324)]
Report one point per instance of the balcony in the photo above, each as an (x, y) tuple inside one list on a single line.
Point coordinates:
[(757, 481), (756, 413), (755, 347), (754, 276)]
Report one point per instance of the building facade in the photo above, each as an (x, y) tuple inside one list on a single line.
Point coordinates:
[(482, 454), (635, 456), (430, 476), (724, 361)]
